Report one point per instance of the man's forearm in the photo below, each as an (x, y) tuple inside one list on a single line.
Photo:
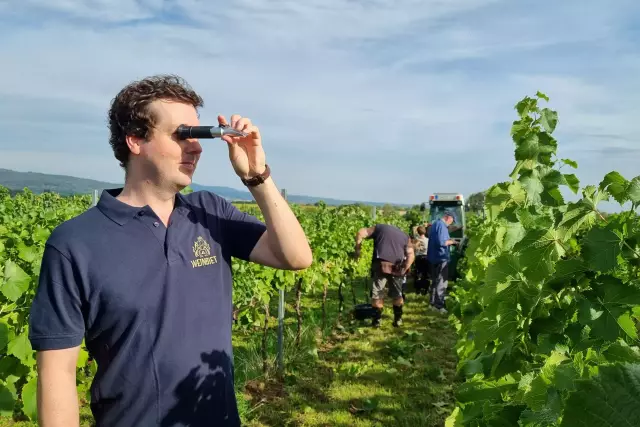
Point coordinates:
[(286, 237), (58, 400)]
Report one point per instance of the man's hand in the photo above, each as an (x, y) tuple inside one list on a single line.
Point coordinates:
[(245, 152)]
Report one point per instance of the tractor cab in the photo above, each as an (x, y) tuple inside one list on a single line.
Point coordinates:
[(439, 203)]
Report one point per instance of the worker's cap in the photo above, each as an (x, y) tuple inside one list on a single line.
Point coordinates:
[(448, 213)]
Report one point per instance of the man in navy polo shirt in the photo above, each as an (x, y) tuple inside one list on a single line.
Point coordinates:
[(438, 255), (145, 276)]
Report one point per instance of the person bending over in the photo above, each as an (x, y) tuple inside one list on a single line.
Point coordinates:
[(392, 258)]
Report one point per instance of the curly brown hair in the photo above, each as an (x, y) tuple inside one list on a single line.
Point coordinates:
[(130, 113)]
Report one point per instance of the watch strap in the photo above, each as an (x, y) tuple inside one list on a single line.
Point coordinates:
[(258, 179)]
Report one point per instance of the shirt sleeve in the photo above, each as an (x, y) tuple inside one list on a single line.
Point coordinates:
[(241, 231), (443, 234), (56, 319)]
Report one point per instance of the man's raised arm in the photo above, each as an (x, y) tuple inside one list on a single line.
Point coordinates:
[(283, 245)]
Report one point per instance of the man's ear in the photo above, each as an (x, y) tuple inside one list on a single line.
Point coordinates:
[(134, 143)]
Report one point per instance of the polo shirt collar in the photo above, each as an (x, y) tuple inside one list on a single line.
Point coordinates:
[(121, 213)]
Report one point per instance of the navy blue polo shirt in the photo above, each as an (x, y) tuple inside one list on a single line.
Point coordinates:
[(153, 304), (438, 251)]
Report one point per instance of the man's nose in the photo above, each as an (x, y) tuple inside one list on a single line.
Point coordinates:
[(193, 146)]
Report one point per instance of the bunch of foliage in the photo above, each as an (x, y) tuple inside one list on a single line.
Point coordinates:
[(26, 221), (548, 310)]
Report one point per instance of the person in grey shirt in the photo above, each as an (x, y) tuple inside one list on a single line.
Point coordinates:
[(392, 258)]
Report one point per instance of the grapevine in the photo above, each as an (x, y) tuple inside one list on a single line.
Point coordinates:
[(548, 309)]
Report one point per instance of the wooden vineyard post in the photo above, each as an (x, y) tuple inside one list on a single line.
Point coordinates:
[(281, 319)]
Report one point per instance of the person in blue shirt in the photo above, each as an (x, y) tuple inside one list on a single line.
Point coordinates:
[(438, 255), (145, 276)]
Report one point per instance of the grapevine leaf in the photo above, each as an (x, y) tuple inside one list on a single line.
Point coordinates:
[(628, 325), (513, 234), (606, 325), (4, 335), (536, 396), (549, 119), (634, 190), (618, 293), (7, 401), (584, 213), (570, 163), (517, 193), (497, 195), (566, 269), (519, 128), (546, 416), (526, 106), (528, 147), (564, 377), (16, 281), (27, 253), (503, 324), (572, 181), (29, 401), (20, 347), (535, 146), (542, 95), (601, 249), (41, 234), (504, 271), (611, 398), (620, 351), (454, 419), (501, 415), (83, 356), (473, 391), (555, 323), (533, 217), (530, 181), (608, 313), (539, 251), (616, 185), (552, 197)]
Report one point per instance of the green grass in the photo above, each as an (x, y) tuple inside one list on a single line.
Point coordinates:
[(355, 375), (347, 374)]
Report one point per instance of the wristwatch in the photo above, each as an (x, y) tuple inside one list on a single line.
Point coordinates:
[(258, 179)]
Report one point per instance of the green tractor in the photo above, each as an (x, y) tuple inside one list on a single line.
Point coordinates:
[(439, 203)]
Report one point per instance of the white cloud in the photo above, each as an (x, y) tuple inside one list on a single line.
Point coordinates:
[(391, 100)]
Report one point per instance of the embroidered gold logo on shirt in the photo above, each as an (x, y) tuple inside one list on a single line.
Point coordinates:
[(202, 252)]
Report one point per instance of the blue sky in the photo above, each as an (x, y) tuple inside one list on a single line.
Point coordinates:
[(368, 100)]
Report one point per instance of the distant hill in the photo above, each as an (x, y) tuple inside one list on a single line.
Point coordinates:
[(41, 182), (67, 185)]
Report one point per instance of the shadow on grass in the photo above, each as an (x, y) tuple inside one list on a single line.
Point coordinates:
[(360, 376)]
